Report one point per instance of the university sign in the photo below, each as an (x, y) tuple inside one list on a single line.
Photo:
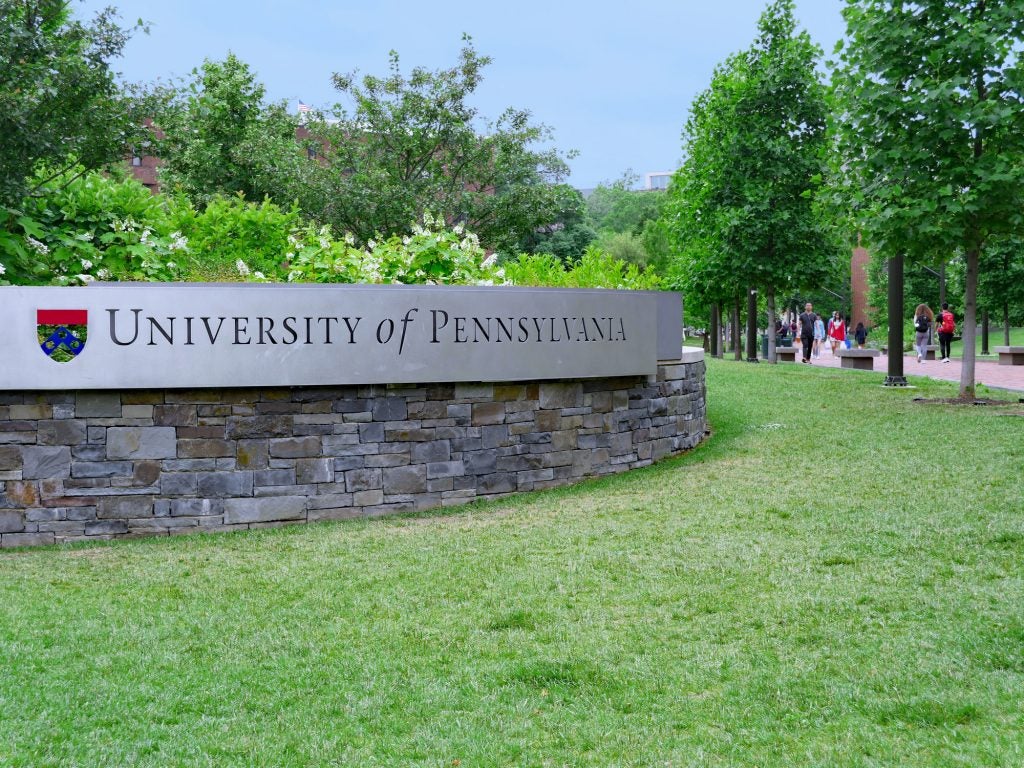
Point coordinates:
[(124, 336)]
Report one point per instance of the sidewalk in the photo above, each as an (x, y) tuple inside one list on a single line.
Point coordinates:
[(985, 372)]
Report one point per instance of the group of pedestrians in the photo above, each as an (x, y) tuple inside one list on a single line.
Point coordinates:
[(813, 332), (944, 324)]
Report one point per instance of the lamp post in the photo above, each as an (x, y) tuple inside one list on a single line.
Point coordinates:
[(895, 377)]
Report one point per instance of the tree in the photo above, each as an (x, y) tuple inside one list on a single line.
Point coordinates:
[(568, 236), (743, 207), (617, 207), (218, 137), (59, 104), (697, 197), (932, 129), (1001, 281), (408, 145)]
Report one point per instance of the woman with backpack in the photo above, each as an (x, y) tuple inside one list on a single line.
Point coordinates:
[(947, 326), (923, 319)]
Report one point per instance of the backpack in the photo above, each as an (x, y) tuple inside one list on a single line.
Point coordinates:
[(921, 324), (947, 322)]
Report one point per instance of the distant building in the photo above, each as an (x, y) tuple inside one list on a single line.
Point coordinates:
[(657, 180)]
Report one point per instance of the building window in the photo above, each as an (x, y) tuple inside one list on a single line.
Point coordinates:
[(658, 180)]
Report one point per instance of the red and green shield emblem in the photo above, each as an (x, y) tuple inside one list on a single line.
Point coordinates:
[(62, 332)]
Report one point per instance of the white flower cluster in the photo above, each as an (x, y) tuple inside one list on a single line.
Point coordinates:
[(371, 268), (242, 267), (178, 242), (125, 225), (37, 246), (2, 269)]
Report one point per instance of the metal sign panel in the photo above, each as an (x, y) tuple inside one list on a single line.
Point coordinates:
[(144, 335)]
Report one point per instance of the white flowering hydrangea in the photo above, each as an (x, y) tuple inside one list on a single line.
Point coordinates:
[(35, 245), (178, 242)]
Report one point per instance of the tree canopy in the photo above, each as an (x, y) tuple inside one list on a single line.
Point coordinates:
[(218, 137), (59, 104), (931, 124), (742, 209), (407, 144), (618, 207)]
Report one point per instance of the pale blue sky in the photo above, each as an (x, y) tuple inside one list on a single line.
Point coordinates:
[(613, 79)]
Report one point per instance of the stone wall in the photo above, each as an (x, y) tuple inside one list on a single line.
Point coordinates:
[(94, 465)]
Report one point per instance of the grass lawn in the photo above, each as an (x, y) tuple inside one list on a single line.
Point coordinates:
[(995, 339), (835, 579)]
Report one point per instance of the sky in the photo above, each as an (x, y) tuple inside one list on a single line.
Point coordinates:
[(614, 80)]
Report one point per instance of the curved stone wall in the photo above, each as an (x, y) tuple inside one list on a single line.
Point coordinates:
[(93, 465)]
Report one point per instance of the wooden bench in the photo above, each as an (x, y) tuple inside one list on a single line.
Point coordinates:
[(862, 359), (786, 354), (1010, 355), (930, 350)]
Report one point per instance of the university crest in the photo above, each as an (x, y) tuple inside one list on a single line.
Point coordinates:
[(62, 332)]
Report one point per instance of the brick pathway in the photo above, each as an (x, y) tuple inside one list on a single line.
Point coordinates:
[(989, 373)]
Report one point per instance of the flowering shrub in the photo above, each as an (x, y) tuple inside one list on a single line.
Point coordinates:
[(432, 254), (90, 227), (95, 227)]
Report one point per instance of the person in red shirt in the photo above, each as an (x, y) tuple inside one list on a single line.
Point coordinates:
[(836, 331), (947, 326)]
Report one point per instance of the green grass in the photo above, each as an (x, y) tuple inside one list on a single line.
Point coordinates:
[(835, 579), (995, 339)]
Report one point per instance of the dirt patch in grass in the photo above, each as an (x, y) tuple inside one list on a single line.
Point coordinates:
[(962, 401)]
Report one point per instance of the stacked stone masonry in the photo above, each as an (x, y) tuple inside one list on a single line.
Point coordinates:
[(98, 465)]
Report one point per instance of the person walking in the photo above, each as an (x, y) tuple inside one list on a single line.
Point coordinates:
[(860, 333), (819, 335), (806, 325), (947, 326), (923, 319), (836, 331)]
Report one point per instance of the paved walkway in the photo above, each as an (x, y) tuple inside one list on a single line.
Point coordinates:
[(989, 373)]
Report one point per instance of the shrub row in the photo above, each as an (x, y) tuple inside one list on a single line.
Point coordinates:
[(99, 227)]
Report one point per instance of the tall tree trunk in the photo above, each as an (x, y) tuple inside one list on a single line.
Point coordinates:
[(895, 377), (771, 325), (737, 347), (968, 331), (715, 336), (1006, 322), (751, 325), (984, 331)]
